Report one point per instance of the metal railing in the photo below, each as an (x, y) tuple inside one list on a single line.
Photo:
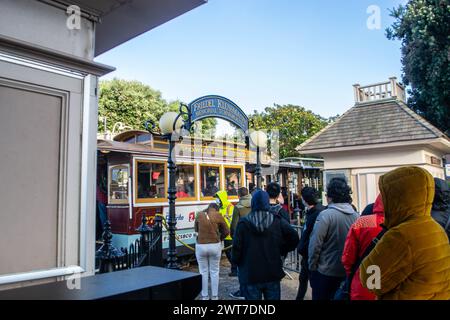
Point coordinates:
[(145, 251), (293, 259), (379, 91)]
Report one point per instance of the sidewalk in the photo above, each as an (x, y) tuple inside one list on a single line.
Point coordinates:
[(230, 284)]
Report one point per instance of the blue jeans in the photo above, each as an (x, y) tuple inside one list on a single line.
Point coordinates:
[(268, 290), (242, 287)]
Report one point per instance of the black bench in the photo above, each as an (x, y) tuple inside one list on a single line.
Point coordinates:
[(144, 283)]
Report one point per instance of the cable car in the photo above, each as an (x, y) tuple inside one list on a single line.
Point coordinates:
[(133, 180)]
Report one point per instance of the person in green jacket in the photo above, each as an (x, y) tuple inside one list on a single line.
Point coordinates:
[(241, 209)]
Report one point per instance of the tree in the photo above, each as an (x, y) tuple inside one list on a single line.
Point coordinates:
[(129, 102), (133, 103), (295, 125), (423, 26)]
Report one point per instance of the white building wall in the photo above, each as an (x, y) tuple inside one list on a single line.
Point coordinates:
[(366, 166), (71, 223), (373, 158), (37, 22), (42, 208)]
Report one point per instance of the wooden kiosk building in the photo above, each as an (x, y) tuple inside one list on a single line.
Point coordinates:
[(378, 134)]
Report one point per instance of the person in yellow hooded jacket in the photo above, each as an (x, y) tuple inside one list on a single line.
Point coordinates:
[(413, 256), (226, 210)]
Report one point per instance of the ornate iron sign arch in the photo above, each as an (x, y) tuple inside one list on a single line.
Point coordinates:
[(214, 106)]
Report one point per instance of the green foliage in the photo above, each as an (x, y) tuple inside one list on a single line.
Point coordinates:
[(423, 26), (295, 125), (133, 103), (129, 102)]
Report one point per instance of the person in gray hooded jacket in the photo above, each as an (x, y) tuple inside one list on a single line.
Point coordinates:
[(328, 239)]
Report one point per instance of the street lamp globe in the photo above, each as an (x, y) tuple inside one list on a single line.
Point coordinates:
[(166, 122), (259, 138)]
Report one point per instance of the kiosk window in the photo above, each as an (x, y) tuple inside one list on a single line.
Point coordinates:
[(118, 184), (185, 181), (233, 180), (210, 180), (151, 182)]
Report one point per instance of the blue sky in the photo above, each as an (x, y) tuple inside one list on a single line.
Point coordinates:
[(261, 52)]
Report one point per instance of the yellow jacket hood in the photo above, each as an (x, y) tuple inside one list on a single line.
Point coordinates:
[(412, 259), (223, 196), (226, 210), (400, 204)]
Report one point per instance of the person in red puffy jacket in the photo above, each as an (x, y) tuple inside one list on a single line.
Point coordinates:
[(360, 235)]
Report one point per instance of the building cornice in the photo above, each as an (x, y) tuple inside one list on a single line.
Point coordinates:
[(34, 52), (87, 13), (442, 144)]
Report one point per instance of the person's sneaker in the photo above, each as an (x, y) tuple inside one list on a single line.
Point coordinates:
[(205, 298), (214, 298), (237, 295), (233, 274)]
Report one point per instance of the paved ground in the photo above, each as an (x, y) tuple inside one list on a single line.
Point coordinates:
[(230, 284)]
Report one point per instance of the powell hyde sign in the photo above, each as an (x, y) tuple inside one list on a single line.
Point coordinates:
[(218, 107)]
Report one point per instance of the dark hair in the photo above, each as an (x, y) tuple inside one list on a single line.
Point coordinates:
[(310, 195), (273, 189), (251, 186), (243, 191), (213, 205), (339, 191)]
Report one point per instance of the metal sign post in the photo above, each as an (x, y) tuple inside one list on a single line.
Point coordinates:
[(211, 106)]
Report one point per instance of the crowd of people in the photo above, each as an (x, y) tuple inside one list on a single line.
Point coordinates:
[(398, 249)]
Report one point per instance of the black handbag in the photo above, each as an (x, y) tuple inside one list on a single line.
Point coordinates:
[(343, 292)]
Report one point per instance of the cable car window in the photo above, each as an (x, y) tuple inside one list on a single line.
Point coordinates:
[(210, 180), (143, 138), (118, 184), (131, 140), (185, 179), (151, 182), (233, 180)]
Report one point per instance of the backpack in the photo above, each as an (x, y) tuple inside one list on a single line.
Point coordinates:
[(343, 292), (275, 210), (447, 227)]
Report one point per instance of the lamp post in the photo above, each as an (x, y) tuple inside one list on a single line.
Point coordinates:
[(259, 139), (145, 230), (169, 123), (107, 254)]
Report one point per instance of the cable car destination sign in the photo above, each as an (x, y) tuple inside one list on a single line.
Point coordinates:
[(213, 106)]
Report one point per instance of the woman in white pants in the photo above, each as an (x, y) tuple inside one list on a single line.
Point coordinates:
[(211, 229)]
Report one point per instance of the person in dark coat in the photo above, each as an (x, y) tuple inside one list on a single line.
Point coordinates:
[(251, 188), (440, 211), (261, 238), (311, 200), (241, 209), (368, 210), (274, 191)]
